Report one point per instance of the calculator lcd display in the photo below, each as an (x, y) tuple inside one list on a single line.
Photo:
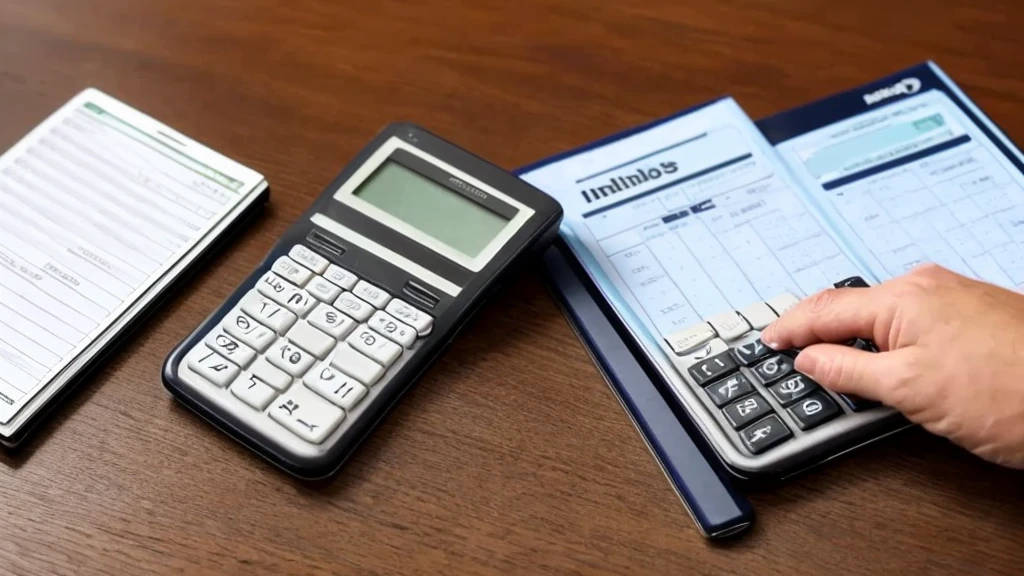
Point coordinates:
[(437, 211)]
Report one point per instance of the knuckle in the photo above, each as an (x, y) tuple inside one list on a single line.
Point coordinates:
[(821, 301)]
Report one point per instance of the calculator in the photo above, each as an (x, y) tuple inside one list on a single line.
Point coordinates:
[(359, 298), (761, 416)]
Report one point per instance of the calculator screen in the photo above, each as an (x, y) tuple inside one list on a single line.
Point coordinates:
[(435, 210)]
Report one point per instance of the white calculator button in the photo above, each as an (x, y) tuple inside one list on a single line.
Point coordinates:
[(421, 321), (308, 258), (704, 351), (290, 358), (249, 331), (335, 386), (729, 325), (229, 347), (267, 312), (378, 348), (323, 290), (759, 315), (311, 340), (783, 302), (286, 268), (353, 306), (387, 325), (212, 366), (331, 320), (306, 415), (291, 297), (687, 339), (376, 296), (341, 277), (356, 365), (273, 377), (253, 391)]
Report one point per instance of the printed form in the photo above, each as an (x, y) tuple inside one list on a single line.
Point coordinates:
[(93, 210), (689, 219)]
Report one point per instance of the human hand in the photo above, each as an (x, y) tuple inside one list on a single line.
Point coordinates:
[(951, 354)]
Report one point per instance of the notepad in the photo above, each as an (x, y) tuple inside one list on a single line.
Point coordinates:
[(100, 206)]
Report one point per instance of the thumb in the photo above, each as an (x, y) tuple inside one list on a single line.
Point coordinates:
[(847, 370)]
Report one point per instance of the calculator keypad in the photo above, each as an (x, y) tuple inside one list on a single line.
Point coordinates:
[(308, 343)]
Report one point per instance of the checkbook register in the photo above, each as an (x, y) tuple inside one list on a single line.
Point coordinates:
[(683, 238)]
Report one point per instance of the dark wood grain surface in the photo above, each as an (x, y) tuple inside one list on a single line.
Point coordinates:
[(511, 456)]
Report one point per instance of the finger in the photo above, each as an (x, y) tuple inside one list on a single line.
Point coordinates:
[(833, 315), (848, 370)]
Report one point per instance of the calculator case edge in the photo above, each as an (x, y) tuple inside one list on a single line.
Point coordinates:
[(498, 270)]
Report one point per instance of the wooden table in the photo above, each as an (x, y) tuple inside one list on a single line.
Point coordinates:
[(512, 456)]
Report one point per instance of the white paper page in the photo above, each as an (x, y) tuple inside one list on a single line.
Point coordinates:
[(916, 181), (697, 220), (94, 207)]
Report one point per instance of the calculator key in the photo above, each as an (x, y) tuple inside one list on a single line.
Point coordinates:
[(290, 358), (250, 389), (420, 321), (306, 414), (271, 376), (353, 306), (267, 312), (323, 290), (311, 340), (851, 282), (372, 294), (762, 435), (814, 410), (689, 338), (308, 258), (229, 347), (332, 384), (396, 331), (712, 368), (729, 389), (356, 365), (774, 369), (858, 404), (729, 325), (341, 277), (286, 268), (862, 344), (751, 352), (331, 320), (378, 348), (746, 410), (783, 302), (212, 366), (792, 389), (249, 331), (759, 315), (295, 299)]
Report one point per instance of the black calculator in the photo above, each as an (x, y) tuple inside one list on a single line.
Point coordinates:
[(359, 298)]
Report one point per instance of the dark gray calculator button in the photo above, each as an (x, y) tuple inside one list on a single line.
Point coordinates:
[(747, 354), (856, 403), (746, 410), (762, 435), (724, 391), (774, 369), (792, 389), (713, 368), (862, 344), (851, 282), (813, 410)]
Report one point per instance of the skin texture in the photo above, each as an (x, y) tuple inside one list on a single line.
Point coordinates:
[(951, 354)]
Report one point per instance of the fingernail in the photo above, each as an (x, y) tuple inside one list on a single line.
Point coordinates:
[(772, 345), (805, 363)]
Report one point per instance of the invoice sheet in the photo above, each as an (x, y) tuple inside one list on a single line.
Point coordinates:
[(908, 171), (93, 209), (689, 218)]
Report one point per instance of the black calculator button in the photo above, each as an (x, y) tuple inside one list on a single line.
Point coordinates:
[(813, 410), (713, 368), (862, 344), (774, 369), (852, 282), (856, 403), (751, 352), (746, 410), (792, 389), (729, 389), (762, 435)]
